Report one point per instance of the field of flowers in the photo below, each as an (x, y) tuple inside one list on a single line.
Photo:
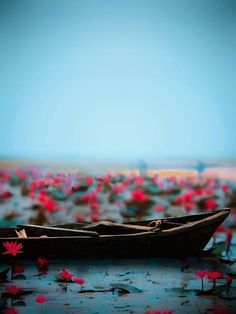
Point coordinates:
[(34, 195)]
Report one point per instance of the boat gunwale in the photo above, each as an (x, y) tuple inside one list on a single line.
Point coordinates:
[(152, 234)]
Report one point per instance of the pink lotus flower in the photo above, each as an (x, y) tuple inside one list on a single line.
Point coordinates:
[(41, 299), (12, 248)]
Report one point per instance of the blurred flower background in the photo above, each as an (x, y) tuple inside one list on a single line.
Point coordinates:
[(116, 110)]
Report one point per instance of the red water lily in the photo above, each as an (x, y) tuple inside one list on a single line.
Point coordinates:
[(139, 196), (42, 265), (12, 248), (13, 290), (201, 274), (211, 204), (89, 180), (214, 275), (41, 298), (65, 274), (80, 281)]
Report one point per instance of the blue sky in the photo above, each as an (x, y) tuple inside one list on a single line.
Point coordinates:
[(112, 80)]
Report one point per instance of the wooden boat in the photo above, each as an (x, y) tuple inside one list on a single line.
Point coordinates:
[(173, 237)]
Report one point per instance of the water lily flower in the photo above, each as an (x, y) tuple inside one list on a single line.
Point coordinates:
[(42, 265), (33, 186), (41, 298), (201, 274), (225, 187), (139, 196), (13, 290), (80, 281), (50, 205), (179, 200), (89, 180), (12, 248), (211, 204), (65, 274), (188, 196), (214, 275)]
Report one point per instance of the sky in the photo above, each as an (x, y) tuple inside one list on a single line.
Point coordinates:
[(117, 79)]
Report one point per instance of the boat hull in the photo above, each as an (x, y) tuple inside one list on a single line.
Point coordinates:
[(177, 242)]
